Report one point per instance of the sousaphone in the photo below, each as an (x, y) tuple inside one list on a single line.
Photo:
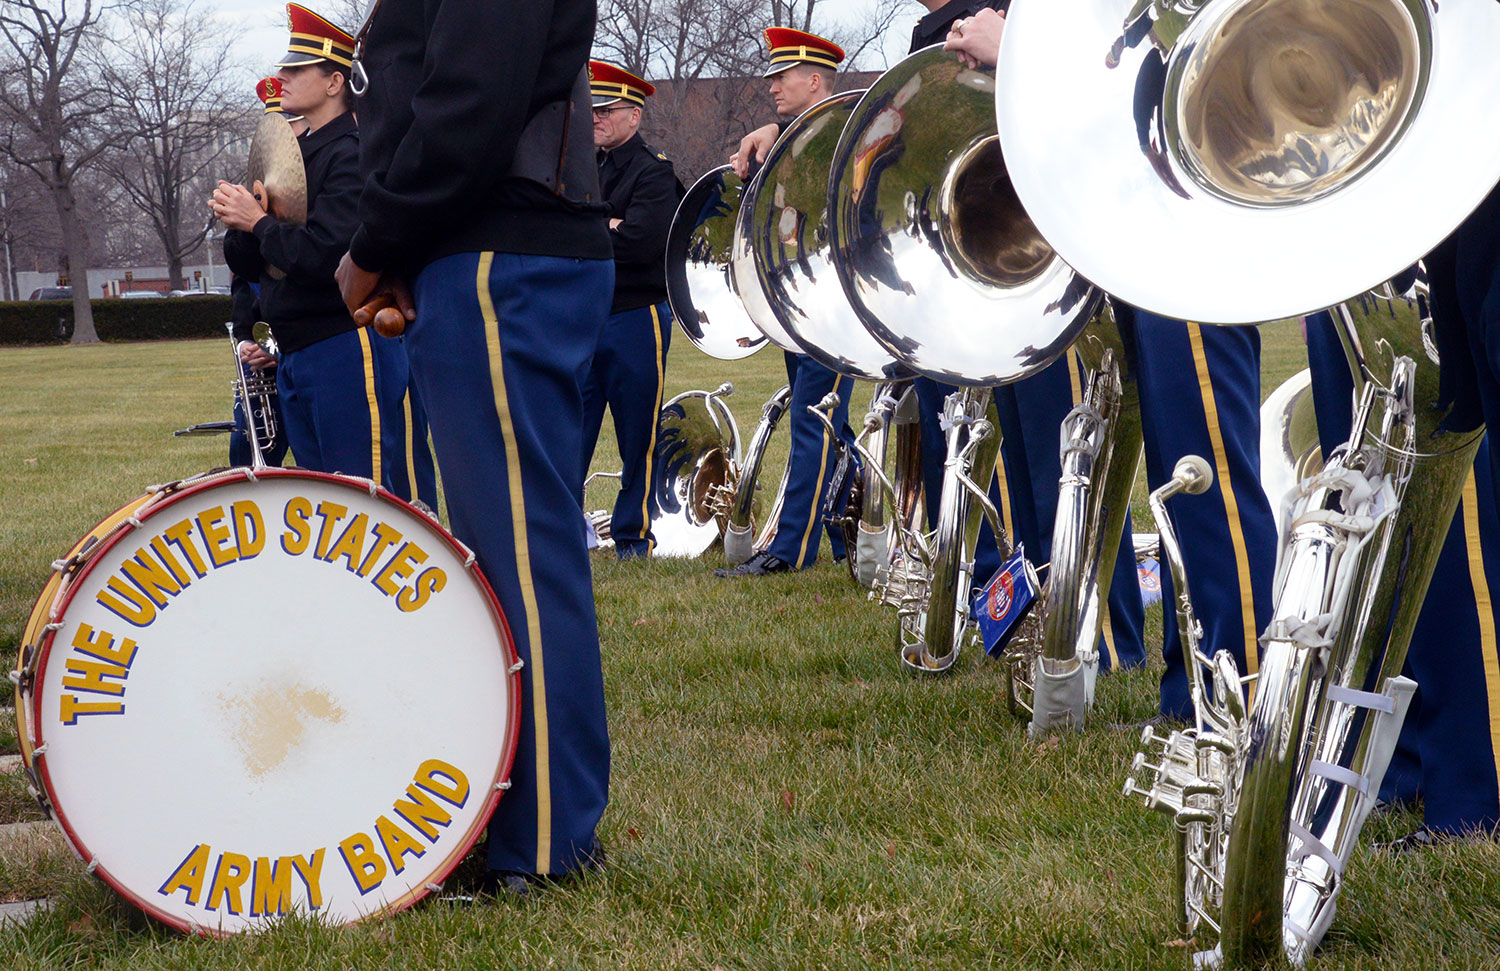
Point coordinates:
[(946, 271), (1238, 161)]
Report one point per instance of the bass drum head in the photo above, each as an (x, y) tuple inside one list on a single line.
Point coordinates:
[(291, 694)]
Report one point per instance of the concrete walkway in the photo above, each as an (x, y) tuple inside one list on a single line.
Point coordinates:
[(23, 911)]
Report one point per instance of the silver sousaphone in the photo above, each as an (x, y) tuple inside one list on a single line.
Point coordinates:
[(944, 269), (782, 253), (1237, 161), (713, 315)]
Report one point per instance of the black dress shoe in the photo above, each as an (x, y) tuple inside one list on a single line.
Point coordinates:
[(1416, 840), (759, 565)]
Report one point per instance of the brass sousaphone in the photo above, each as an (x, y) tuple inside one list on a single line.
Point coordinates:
[(1235, 161)]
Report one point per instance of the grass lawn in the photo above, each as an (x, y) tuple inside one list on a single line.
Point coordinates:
[(783, 795)]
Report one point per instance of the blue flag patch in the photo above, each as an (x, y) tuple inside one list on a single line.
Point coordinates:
[(1001, 604)]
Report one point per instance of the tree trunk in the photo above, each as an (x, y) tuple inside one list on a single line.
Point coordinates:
[(78, 265), (174, 272)]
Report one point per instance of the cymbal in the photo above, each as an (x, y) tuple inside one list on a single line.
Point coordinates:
[(276, 163)]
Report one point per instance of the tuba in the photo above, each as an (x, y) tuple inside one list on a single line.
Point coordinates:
[(1216, 148), (708, 307), (926, 231)]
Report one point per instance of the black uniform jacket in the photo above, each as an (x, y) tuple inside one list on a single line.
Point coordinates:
[(642, 190), (933, 28), (452, 85), (305, 307), (244, 309)]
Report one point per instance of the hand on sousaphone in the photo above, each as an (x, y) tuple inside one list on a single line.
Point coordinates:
[(976, 39), (380, 299)]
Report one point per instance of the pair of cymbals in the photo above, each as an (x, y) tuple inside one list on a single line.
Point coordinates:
[(276, 164)]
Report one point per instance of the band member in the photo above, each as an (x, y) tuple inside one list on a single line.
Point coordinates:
[(801, 73), (340, 386), (480, 216), (629, 367), (1200, 395), (1452, 656), (244, 311)]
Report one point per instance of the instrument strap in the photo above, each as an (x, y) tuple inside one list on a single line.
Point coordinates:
[(1362, 699), (1312, 846), (1337, 773)]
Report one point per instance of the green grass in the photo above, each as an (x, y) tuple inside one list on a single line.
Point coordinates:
[(783, 796)]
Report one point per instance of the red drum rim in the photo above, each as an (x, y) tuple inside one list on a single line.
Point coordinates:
[(169, 496)]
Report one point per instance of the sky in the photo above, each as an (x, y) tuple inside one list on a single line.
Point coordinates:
[(264, 29)]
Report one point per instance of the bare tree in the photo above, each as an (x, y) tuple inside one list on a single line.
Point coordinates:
[(173, 81), (53, 103)]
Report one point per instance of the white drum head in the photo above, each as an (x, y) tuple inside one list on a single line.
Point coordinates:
[(316, 721)]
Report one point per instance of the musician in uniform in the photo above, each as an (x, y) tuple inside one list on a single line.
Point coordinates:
[(629, 366), (801, 71), (340, 386), (1452, 656), (480, 216), (244, 311), (1200, 395)]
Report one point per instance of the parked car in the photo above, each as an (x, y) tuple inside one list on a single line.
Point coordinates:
[(141, 295), (52, 293)]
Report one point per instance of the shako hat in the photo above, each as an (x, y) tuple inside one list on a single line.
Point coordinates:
[(789, 47), (268, 90), (315, 39), (608, 84)]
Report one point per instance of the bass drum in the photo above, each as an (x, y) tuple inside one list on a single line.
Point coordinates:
[(242, 697)]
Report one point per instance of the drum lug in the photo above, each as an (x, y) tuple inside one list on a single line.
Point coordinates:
[(517, 666), (502, 786), (434, 887)]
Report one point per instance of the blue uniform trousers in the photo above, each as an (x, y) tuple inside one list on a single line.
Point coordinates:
[(341, 398), (811, 463), (1200, 395), (413, 475), (1447, 755), (628, 374), (240, 452), (499, 349), (1024, 489)]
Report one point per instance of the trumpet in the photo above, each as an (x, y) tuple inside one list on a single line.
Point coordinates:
[(256, 391)]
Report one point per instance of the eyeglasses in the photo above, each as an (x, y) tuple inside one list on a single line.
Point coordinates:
[(605, 112)]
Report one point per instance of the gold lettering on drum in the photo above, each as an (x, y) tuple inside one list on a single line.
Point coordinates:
[(274, 720), (95, 665), (148, 581), (351, 544), (368, 868), (331, 512), (385, 538), (270, 891), (296, 515)]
